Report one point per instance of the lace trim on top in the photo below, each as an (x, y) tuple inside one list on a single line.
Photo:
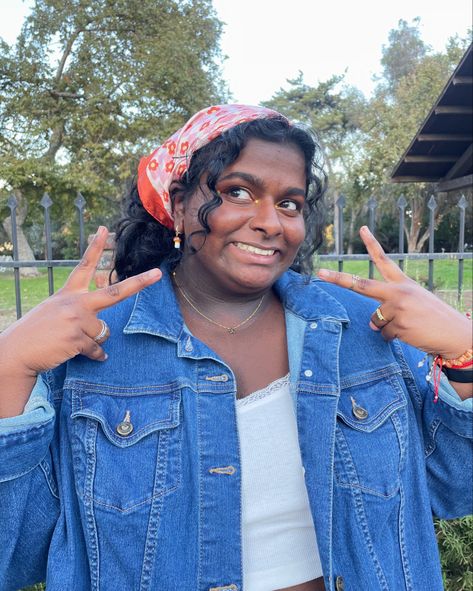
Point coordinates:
[(278, 384)]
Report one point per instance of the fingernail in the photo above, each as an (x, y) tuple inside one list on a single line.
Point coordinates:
[(365, 230), (323, 273), (154, 273), (105, 357)]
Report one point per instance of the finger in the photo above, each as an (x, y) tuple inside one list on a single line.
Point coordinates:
[(369, 287), (83, 273), (390, 331), (92, 350), (379, 319), (112, 294), (388, 268), (101, 335)]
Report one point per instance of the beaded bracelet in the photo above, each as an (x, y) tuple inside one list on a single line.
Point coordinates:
[(454, 369), (464, 360)]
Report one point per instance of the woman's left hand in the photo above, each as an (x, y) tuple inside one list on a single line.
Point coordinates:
[(407, 311)]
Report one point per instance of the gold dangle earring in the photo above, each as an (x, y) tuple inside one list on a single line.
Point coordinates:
[(177, 239)]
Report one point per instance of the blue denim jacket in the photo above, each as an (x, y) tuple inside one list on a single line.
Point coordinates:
[(91, 504)]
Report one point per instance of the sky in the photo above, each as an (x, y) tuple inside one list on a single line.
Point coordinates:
[(268, 42)]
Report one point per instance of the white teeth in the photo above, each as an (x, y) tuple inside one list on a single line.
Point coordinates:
[(249, 248)]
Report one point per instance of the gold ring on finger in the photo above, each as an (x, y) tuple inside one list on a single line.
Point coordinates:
[(103, 334), (379, 314)]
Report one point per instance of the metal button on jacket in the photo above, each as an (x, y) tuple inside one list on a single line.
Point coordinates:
[(358, 411), (340, 584), (125, 427)]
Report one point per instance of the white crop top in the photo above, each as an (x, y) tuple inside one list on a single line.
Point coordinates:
[(279, 542)]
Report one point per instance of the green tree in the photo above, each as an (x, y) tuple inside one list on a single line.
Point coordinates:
[(413, 77), (91, 84), (404, 52)]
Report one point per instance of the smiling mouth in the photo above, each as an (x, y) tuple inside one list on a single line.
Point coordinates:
[(262, 251)]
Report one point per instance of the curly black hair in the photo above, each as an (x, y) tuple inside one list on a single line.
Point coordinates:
[(143, 243)]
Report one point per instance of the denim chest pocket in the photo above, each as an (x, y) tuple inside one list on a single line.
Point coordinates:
[(126, 444), (371, 433)]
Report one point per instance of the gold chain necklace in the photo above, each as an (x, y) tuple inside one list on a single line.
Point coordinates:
[(229, 329)]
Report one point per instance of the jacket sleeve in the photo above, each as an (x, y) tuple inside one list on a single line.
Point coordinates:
[(29, 499), (447, 431)]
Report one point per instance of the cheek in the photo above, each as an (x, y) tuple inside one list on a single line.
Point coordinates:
[(297, 233)]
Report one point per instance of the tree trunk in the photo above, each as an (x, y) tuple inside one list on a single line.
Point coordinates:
[(25, 252), (417, 206)]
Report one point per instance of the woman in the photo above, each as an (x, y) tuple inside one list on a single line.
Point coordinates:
[(235, 424)]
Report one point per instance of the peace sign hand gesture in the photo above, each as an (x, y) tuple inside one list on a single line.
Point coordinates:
[(61, 327), (407, 311)]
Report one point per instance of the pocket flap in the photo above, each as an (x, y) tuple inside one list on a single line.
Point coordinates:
[(145, 409), (365, 406)]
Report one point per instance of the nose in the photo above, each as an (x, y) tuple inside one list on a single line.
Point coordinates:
[(265, 217)]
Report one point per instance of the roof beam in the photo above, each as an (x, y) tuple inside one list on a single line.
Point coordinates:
[(462, 80), (430, 159), (414, 179), (464, 162), (445, 137), (453, 110), (460, 183)]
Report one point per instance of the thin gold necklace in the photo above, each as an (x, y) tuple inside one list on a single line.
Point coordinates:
[(229, 329)]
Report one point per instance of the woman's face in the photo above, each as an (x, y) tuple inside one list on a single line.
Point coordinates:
[(258, 229)]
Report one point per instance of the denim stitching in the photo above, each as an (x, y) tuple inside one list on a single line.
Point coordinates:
[(402, 540), (330, 479), (49, 478), (132, 508), (370, 376), (432, 433), (352, 475), (155, 511), (18, 475), (407, 374), (240, 508), (91, 434), (400, 432), (360, 512)]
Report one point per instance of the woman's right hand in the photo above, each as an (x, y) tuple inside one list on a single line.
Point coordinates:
[(65, 324)]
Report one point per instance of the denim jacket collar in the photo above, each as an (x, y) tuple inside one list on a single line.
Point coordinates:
[(156, 310)]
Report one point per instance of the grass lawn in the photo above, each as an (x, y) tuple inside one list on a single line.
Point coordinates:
[(34, 290)]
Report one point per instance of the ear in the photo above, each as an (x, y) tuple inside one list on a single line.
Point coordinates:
[(176, 190)]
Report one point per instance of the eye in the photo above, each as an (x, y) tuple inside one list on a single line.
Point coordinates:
[(237, 194), (290, 205)]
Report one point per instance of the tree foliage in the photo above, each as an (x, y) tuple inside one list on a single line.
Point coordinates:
[(91, 85), (363, 139)]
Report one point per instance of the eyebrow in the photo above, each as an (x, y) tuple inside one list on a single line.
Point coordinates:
[(258, 182)]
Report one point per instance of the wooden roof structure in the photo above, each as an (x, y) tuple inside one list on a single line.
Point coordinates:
[(442, 150)]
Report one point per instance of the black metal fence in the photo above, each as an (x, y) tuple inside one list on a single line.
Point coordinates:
[(400, 256)]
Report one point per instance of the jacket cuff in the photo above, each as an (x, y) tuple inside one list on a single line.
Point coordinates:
[(25, 439), (454, 412), (38, 410)]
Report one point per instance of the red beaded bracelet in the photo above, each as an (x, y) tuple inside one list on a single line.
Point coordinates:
[(462, 362)]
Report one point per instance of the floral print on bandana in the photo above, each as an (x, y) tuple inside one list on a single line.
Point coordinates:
[(169, 161)]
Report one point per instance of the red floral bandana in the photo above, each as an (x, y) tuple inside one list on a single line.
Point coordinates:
[(169, 162)]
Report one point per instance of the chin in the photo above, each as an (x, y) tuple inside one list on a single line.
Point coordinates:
[(256, 280)]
